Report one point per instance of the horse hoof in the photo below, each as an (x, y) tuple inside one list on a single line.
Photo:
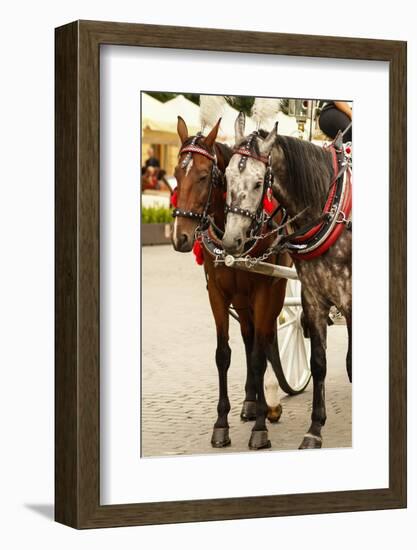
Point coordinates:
[(311, 441), (259, 440), (274, 413), (248, 411), (220, 437)]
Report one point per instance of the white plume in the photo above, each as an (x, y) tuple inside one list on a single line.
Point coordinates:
[(211, 109), (264, 109)]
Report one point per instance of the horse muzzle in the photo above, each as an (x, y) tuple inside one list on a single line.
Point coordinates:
[(233, 245), (182, 242), (183, 234)]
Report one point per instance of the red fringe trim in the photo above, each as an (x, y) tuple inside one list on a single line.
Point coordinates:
[(198, 252)]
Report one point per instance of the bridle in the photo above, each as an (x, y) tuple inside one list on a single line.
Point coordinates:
[(216, 177), (257, 217)]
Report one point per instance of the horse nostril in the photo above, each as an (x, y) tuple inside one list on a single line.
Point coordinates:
[(232, 244), (183, 239)]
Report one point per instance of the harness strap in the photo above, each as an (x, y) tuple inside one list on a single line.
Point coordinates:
[(178, 213), (241, 211), (310, 227), (199, 150), (247, 153)]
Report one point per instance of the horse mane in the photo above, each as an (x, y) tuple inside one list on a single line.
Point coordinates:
[(225, 150), (309, 168)]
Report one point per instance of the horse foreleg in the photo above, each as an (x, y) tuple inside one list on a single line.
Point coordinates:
[(316, 318), (220, 437), (271, 381), (267, 306), (259, 436), (248, 411)]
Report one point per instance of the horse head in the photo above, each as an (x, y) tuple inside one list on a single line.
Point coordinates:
[(195, 174), (246, 176)]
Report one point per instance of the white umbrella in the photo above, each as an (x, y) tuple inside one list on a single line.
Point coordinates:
[(181, 106), (151, 113)]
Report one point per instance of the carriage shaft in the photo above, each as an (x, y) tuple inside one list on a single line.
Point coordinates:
[(264, 268)]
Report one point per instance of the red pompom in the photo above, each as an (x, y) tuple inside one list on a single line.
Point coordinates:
[(348, 150), (269, 203), (174, 199), (198, 252)]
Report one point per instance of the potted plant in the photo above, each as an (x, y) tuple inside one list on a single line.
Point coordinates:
[(156, 225)]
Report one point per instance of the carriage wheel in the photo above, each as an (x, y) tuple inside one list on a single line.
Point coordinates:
[(294, 349)]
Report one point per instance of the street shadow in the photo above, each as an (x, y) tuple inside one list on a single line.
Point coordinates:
[(45, 510)]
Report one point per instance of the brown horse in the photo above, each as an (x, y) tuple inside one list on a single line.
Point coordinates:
[(257, 299)]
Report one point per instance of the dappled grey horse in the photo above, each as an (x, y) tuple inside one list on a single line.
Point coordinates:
[(314, 186)]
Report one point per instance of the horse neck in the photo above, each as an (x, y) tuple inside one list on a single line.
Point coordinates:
[(217, 207), (224, 154), (285, 194), (304, 213)]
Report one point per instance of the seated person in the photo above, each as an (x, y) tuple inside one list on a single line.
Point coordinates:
[(150, 178), (152, 160), (335, 116)]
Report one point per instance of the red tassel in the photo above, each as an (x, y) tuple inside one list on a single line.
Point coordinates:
[(174, 199), (269, 203), (198, 252)]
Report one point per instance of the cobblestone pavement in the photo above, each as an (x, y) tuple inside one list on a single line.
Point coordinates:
[(179, 375)]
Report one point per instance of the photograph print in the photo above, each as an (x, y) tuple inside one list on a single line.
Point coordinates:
[(246, 276)]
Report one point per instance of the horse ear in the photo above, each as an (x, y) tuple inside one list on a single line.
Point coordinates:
[(266, 145), (182, 129), (211, 138), (240, 127)]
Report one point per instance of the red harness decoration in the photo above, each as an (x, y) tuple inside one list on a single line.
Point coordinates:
[(339, 226), (174, 199), (269, 203), (338, 229), (198, 252)]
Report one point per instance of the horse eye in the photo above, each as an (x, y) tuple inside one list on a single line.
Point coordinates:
[(203, 177), (258, 184)]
